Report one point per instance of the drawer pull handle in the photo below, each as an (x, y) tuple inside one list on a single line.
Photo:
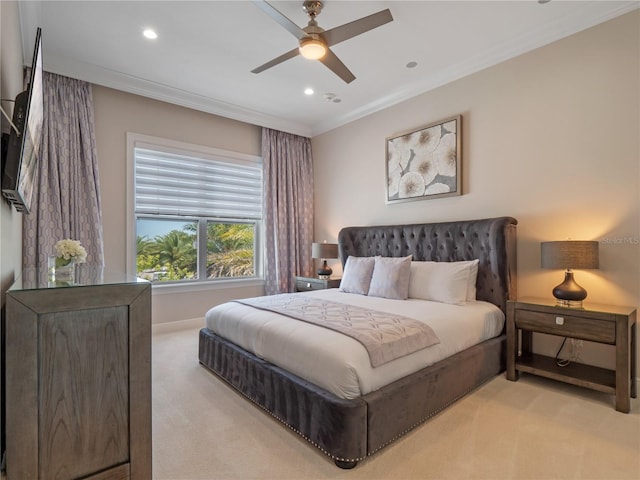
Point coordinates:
[(559, 320)]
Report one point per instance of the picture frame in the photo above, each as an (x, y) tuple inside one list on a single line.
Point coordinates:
[(425, 162)]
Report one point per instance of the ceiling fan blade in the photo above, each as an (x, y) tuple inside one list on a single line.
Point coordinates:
[(333, 63), (277, 60), (351, 29), (288, 25)]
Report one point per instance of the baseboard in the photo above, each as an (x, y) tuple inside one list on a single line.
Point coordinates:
[(167, 327)]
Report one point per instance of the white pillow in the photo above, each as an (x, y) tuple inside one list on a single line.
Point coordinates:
[(357, 275), (446, 282), (391, 277), (473, 276)]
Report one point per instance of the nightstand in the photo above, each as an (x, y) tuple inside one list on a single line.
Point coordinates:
[(305, 284), (605, 324)]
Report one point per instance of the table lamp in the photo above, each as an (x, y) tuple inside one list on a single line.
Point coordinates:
[(569, 254), (324, 251)]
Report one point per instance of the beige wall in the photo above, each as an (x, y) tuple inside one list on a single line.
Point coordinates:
[(550, 138), (117, 113), (10, 86)]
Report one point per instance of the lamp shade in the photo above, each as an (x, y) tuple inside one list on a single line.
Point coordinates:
[(324, 250), (569, 254)]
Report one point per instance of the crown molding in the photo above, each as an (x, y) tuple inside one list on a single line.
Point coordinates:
[(157, 91)]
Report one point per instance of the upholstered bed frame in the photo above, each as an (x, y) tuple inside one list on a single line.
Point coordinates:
[(350, 430)]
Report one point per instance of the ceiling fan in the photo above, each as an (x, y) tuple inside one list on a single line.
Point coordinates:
[(314, 41)]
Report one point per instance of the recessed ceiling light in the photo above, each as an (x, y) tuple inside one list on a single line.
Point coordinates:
[(151, 34), (412, 64), (308, 91)]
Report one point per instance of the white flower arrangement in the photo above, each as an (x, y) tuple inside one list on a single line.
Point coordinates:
[(68, 250)]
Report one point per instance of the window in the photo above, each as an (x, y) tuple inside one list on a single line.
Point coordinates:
[(197, 214)]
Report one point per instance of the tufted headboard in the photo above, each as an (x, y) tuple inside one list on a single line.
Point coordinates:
[(491, 240)]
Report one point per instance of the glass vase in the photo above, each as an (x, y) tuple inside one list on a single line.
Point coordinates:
[(61, 272)]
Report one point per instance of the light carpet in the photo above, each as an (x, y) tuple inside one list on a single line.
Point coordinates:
[(530, 429)]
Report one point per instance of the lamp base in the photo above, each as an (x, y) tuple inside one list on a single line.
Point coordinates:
[(569, 303), (324, 271), (569, 293)]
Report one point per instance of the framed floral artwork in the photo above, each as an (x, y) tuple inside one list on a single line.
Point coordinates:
[(426, 162)]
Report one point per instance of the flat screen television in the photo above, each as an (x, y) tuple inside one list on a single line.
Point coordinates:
[(20, 165)]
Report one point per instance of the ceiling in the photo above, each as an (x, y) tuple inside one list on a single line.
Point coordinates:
[(205, 51)]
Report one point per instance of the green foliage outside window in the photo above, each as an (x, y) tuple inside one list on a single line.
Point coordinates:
[(174, 256), (230, 250)]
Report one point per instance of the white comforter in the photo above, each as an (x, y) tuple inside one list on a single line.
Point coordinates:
[(340, 364)]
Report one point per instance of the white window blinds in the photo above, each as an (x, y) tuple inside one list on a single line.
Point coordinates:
[(168, 183)]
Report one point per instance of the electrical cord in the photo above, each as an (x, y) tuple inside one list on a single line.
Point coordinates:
[(560, 362)]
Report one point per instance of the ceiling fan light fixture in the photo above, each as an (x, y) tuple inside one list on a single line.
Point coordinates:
[(312, 49), (150, 34)]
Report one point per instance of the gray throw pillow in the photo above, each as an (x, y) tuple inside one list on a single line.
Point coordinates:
[(390, 277), (357, 275)]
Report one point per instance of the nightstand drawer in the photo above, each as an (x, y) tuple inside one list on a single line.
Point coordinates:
[(567, 326), (304, 285)]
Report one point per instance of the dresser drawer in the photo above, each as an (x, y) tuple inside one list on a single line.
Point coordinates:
[(596, 330)]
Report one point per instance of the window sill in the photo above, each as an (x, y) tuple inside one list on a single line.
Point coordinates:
[(163, 289)]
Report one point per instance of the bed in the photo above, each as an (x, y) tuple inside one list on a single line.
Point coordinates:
[(349, 428)]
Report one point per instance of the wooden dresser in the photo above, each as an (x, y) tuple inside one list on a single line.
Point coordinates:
[(78, 377)]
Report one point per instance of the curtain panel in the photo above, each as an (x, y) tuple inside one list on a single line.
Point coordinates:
[(288, 209), (66, 202)]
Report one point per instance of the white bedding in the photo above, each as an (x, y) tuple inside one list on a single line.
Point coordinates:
[(340, 364)]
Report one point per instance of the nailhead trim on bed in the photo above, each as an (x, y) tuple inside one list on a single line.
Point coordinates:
[(299, 402), (255, 402), (358, 459), (430, 415)]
